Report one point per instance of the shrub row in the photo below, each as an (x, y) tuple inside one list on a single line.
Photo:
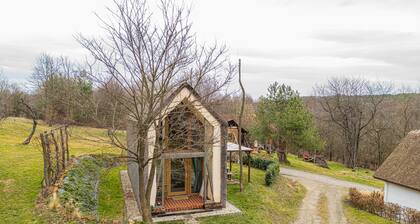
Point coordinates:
[(373, 202), (80, 186), (257, 162), (271, 167)]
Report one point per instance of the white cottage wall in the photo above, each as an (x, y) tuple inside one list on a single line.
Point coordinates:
[(403, 196)]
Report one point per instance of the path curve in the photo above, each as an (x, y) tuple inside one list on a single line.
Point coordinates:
[(316, 185)]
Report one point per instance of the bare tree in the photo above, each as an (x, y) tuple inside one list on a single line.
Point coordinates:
[(62, 91), (4, 92), (149, 56), (352, 105), (408, 101)]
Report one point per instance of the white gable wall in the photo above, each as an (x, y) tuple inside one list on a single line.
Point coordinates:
[(403, 196), (217, 145)]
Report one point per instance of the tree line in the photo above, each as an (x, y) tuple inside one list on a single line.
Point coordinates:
[(350, 120), (362, 121), (61, 92)]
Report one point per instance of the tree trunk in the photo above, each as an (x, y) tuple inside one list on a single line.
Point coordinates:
[(282, 153), (144, 202), (142, 169)]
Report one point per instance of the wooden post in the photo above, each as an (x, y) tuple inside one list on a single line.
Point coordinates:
[(44, 156), (63, 150), (48, 157), (249, 167), (163, 182), (57, 158), (67, 143), (230, 162)]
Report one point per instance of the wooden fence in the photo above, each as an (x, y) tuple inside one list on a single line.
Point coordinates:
[(55, 151)]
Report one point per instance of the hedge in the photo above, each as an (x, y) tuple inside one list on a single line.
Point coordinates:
[(373, 202), (272, 168), (257, 162)]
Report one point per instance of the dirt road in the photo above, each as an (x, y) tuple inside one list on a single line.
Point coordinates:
[(317, 185)]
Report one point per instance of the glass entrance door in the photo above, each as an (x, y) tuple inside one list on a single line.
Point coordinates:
[(183, 176), (178, 176)]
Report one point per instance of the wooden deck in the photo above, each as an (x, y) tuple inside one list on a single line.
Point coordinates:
[(193, 202)]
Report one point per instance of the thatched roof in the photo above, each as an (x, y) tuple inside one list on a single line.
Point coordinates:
[(402, 167)]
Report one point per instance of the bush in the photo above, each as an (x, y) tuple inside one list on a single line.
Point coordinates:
[(373, 202), (80, 185), (272, 168), (257, 162), (271, 173)]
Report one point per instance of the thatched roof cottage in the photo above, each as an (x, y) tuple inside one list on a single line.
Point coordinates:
[(401, 173)]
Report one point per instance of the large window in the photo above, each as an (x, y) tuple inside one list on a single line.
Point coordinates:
[(185, 130)]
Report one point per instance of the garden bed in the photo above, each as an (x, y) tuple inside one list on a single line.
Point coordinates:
[(77, 196)]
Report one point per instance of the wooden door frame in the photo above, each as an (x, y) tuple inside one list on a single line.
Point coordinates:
[(187, 177)]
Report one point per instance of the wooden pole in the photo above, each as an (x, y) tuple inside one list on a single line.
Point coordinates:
[(230, 162), (240, 130), (249, 167), (67, 143), (48, 157), (63, 149), (57, 157), (44, 156)]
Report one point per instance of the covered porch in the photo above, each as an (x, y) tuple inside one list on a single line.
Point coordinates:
[(184, 182), (234, 148)]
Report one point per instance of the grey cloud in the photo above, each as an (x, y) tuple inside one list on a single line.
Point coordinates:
[(365, 36)]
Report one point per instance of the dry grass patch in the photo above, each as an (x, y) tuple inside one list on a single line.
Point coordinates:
[(323, 208)]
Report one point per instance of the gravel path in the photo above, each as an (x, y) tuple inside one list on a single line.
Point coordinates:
[(319, 184)]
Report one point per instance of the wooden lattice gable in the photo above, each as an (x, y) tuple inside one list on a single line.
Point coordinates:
[(186, 94)]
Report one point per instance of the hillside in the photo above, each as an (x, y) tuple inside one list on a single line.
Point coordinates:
[(21, 176), (21, 166)]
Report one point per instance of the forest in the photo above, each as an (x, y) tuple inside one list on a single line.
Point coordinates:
[(359, 122)]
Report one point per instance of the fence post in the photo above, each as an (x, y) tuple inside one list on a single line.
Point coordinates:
[(57, 157), (63, 149), (44, 155), (67, 143), (48, 158)]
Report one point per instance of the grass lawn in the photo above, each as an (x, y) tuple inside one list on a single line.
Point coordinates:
[(21, 166), (356, 216), (259, 203), (111, 198), (21, 176), (336, 170), (278, 203)]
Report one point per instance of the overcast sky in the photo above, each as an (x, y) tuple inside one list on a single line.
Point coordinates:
[(297, 42)]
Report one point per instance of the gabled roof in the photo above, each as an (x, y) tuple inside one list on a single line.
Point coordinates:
[(233, 123), (402, 167), (198, 97)]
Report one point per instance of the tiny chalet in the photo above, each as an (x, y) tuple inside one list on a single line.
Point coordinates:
[(401, 173), (233, 133), (191, 172)]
